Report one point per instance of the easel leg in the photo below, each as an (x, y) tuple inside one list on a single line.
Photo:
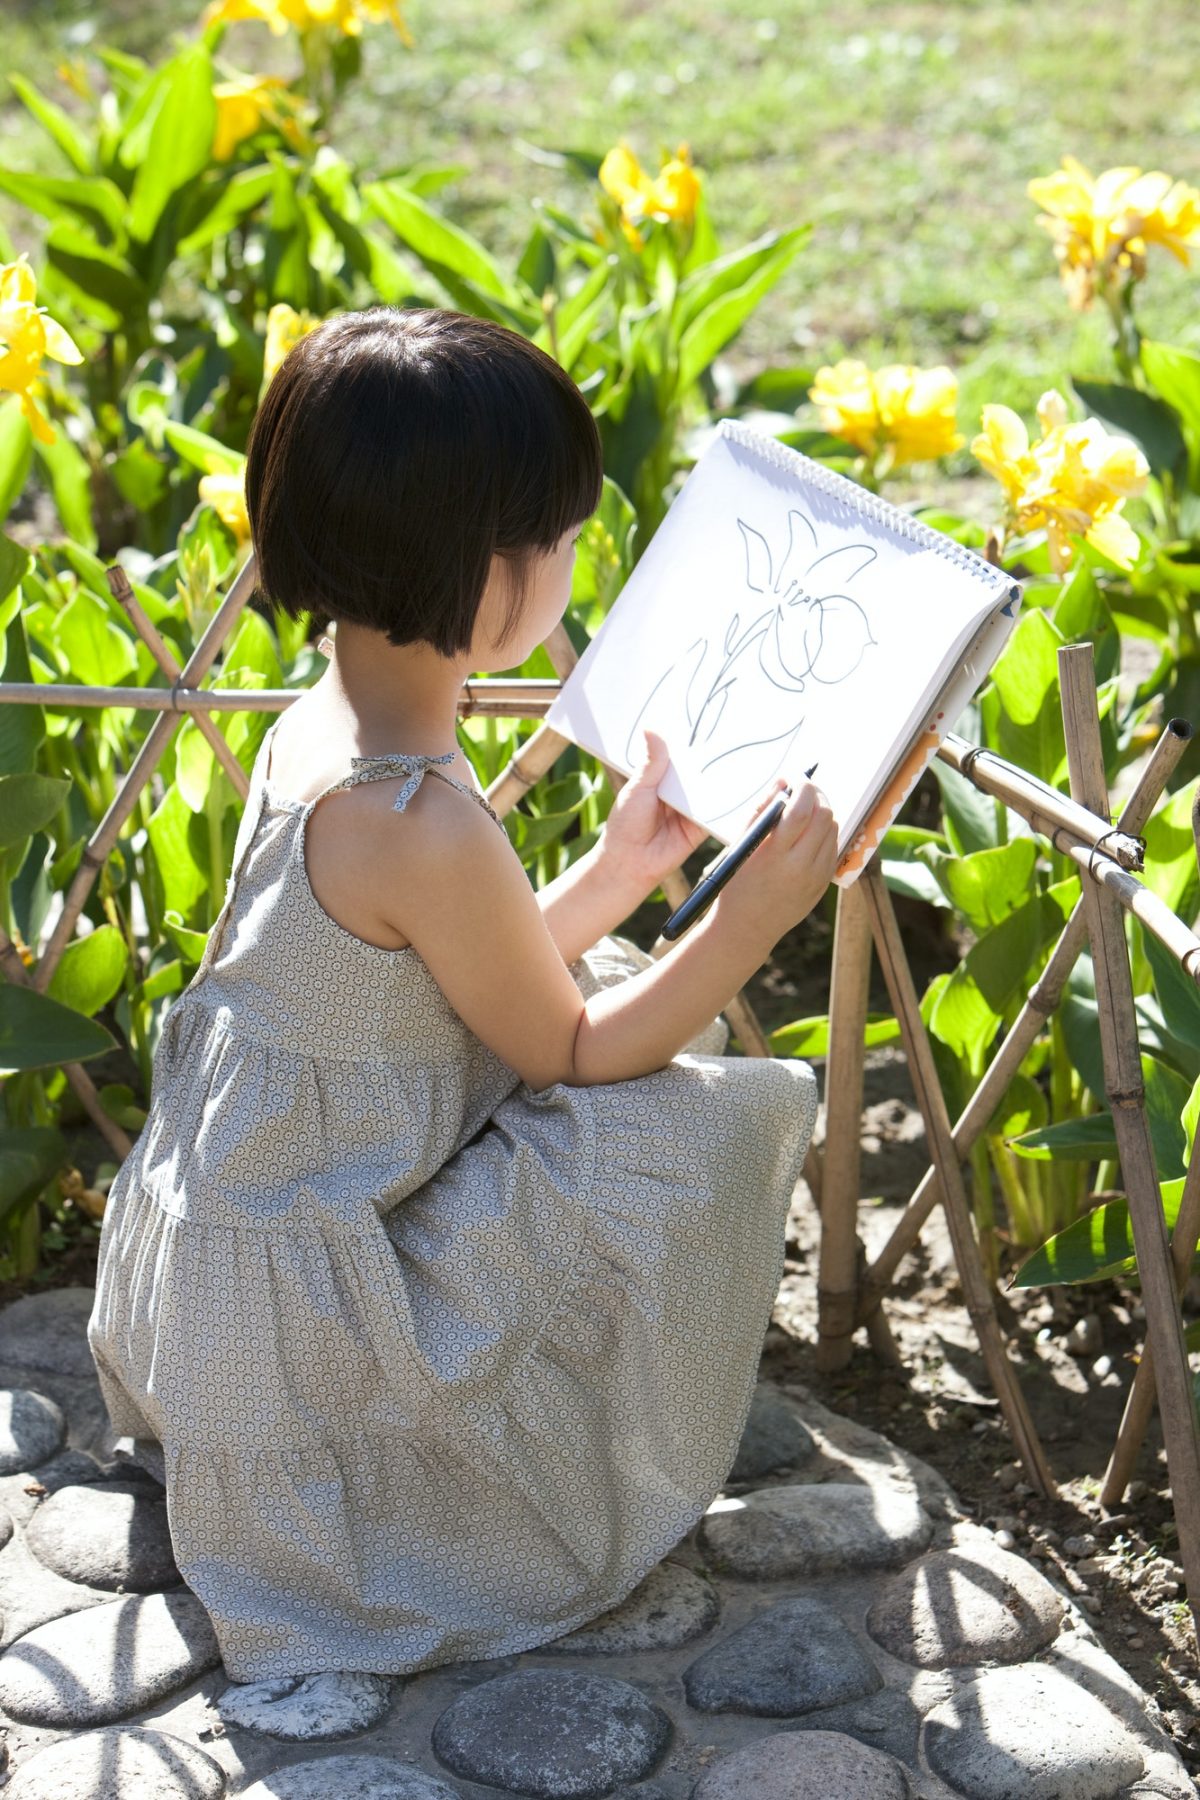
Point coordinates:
[(932, 1103), (1126, 1095), (838, 1280)]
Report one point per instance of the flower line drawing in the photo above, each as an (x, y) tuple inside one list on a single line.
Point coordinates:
[(745, 710)]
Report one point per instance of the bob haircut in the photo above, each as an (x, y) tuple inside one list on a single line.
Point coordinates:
[(395, 452)]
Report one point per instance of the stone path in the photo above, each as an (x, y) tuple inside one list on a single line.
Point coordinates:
[(833, 1629)]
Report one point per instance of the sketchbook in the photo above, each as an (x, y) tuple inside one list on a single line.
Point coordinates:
[(783, 616)]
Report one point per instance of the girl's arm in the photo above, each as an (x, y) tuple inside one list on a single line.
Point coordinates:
[(463, 901), (643, 840)]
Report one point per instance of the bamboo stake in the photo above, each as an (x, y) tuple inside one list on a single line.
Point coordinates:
[(519, 698), (82, 1083), (96, 850), (930, 1099), (1064, 821), (144, 625), (841, 1167), (1125, 1093), (1043, 997), (1140, 1400)]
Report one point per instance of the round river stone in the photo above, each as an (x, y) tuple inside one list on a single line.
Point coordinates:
[(107, 1661), (351, 1778), (552, 1736), (31, 1429), (309, 1707), (1029, 1733), (967, 1605), (805, 1765), (670, 1606), (791, 1659), (49, 1331), (773, 1439), (129, 1764), (108, 1535), (815, 1528)]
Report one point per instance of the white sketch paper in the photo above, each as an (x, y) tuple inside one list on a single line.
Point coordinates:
[(779, 618)]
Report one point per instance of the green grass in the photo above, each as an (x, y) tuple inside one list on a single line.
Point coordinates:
[(905, 132)]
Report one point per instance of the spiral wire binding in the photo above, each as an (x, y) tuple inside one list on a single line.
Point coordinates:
[(857, 503)]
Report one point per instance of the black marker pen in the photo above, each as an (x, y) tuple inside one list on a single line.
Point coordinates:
[(707, 889)]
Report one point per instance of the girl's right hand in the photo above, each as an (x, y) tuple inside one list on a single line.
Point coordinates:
[(783, 877)]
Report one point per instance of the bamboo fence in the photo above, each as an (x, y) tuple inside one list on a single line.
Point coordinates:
[(850, 1290)]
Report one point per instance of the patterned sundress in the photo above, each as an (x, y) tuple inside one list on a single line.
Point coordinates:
[(440, 1366)]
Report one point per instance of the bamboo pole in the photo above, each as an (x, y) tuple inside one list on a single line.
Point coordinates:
[(1140, 1400), (978, 1295), (146, 629), (1064, 821), (82, 1083), (504, 699), (1042, 999), (841, 1167), (1126, 1096), (96, 850)]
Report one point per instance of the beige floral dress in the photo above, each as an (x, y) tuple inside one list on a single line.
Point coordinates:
[(440, 1366)]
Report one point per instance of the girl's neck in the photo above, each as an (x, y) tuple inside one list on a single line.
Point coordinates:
[(392, 697)]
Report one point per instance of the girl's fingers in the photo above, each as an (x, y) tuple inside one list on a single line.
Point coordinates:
[(771, 797)]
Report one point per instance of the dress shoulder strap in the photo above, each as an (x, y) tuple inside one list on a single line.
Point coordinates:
[(415, 765)]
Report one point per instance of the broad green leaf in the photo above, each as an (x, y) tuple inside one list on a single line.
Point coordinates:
[(717, 324), (1188, 1119), (1094, 1248), (732, 272), (16, 453), (180, 140), (969, 814), (64, 131), (29, 1156), (1071, 1140), (39, 1033), (27, 802), (184, 878), (22, 727), (167, 980), (203, 452), (810, 1037), (1175, 375), (1022, 1109), (913, 880), (99, 282), (972, 1004), (1026, 679), (91, 971), (1177, 992), (190, 944), (776, 390), (218, 205), (988, 885), (98, 651), (1082, 614), (1135, 414), (93, 198), (139, 475), (70, 483), (442, 247), (1171, 853)]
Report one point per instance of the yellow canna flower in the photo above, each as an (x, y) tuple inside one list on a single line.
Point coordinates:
[(346, 16), (1073, 481), (244, 105), (672, 194), (27, 335), (74, 75), (285, 327), (1102, 225), (226, 494), (677, 189), (893, 415)]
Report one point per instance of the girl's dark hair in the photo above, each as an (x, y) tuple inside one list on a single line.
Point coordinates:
[(395, 452)]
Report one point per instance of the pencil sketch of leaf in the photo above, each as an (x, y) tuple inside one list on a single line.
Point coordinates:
[(743, 705)]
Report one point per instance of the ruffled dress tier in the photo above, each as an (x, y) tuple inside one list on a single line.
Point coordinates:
[(440, 1366)]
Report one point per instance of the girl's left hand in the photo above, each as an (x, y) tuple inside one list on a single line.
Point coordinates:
[(643, 835)]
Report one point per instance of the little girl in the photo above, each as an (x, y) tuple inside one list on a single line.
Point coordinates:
[(437, 1279)]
